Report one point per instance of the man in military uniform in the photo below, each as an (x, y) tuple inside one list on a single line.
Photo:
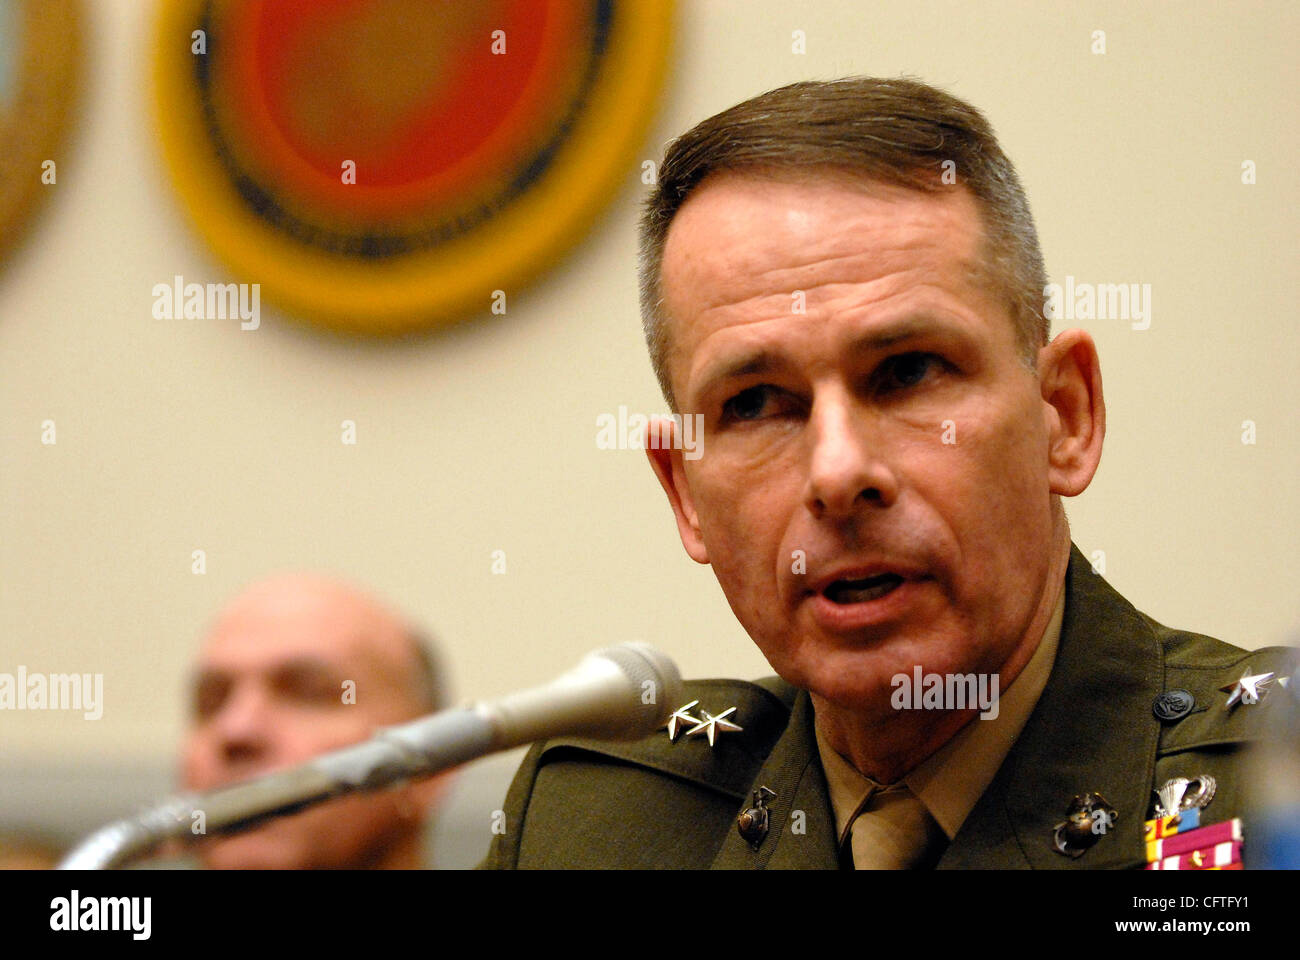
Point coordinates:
[(843, 280)]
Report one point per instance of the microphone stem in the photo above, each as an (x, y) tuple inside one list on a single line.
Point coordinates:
[(393, 755)]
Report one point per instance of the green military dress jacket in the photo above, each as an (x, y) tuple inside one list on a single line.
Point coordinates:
[(651, 803)]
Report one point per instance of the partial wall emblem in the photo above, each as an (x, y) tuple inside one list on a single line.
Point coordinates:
[(381, 166), (41, 56)]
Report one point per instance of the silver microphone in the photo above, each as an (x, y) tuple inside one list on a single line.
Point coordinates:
[(619, 693)]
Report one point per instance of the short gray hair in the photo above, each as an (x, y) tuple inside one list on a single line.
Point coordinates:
[(896, 131)]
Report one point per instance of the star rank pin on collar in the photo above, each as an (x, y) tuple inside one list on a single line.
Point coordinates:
[(1248, 689), (710, 726), (706, 724), (679, 718)]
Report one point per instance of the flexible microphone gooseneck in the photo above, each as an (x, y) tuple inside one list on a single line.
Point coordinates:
[(619, 693)]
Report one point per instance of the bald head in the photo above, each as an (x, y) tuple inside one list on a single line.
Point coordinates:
[(296, 665), (313, 621)]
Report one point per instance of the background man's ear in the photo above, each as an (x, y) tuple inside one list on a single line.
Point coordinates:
[(1069, 373), (668, 465)]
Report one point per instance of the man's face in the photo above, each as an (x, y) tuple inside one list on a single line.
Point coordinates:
[(269, 694), (873, 492)]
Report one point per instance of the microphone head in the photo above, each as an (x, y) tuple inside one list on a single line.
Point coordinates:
[(655, 683), (619, 693)]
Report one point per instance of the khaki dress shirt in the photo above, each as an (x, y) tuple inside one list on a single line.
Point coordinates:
[(908, 824)]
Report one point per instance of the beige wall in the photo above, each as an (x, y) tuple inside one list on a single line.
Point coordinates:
[(175, 436)]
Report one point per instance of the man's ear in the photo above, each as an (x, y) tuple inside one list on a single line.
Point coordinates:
[(1069, 374), (665, 456)]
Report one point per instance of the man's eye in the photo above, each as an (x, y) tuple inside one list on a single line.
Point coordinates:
[(311, 689), (208, 698), (907, 370), (747, 405)]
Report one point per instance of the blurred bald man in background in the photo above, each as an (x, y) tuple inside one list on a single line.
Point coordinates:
[(295, 666)]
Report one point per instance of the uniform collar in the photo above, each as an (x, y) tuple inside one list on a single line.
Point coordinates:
[(950, 781), (1091, 730), (802, 824)]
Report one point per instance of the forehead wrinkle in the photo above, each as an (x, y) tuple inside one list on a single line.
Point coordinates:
[(736, 285), (926, 314), (735, 279), (832, 298), (726, 271), (859, 270)]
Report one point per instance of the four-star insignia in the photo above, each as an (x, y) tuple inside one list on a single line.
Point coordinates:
[(1247, 689), (710, 725), (680, 717)]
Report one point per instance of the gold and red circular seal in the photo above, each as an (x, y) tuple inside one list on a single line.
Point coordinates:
[(382, 166), (41, 53)]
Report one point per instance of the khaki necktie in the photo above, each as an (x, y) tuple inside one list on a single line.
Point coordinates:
[(892, 830)]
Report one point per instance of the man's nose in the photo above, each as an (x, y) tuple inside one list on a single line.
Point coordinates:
[(849, 464), (242, 727)]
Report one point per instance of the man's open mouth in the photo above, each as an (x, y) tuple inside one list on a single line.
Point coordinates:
[(861, 591)]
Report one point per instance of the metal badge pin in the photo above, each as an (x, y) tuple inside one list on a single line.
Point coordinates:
[(1246, 690), (1173, 705), (710, 726), (1086, 819), (1181, 794), (753, 821), (679, 718)]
